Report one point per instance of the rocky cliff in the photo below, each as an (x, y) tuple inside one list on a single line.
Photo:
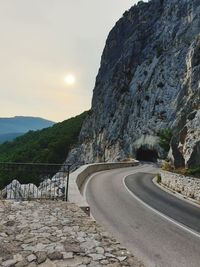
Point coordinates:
[(149, 79)]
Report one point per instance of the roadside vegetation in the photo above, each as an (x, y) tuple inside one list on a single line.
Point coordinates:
[(194, 171), (158, 176), (167, 166)]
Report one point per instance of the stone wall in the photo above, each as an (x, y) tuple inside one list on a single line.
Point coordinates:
[(187, 186), (56, 234)]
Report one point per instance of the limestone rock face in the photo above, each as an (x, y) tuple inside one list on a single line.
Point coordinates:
[(53, 188), (18, 191), (189, 140), (149, 79)]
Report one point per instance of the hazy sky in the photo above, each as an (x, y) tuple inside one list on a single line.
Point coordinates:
[(44, 40)]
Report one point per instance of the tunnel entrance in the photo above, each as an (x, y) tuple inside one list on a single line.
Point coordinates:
[(145, 154)]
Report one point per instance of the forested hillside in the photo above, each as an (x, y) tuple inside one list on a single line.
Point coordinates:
[(49, 145)]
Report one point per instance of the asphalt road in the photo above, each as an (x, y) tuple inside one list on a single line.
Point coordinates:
[(142, 186), (152, 238)]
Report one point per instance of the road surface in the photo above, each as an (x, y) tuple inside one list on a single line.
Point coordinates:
[(148, 235)]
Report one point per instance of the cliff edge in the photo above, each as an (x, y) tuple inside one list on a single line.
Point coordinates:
[(149, 80)]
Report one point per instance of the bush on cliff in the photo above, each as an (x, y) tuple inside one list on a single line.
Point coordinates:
[(165, 137)]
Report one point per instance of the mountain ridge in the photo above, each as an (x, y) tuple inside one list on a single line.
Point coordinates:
[(11, 127)]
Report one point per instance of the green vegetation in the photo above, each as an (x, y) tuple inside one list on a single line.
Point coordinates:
[(50, 145), (158, 178), (165, 137), (194, 171)]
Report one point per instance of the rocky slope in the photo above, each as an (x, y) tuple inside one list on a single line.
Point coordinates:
[(149, 79)]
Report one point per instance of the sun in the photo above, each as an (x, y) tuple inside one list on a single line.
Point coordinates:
[(70, 79)]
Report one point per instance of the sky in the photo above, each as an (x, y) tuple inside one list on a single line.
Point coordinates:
[(43, 41)]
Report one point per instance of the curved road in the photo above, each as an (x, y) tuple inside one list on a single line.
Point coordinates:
[(154, 239)]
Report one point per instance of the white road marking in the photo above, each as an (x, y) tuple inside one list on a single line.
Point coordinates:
[(180, 225)]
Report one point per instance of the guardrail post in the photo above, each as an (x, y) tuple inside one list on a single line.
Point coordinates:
[(67, 184)]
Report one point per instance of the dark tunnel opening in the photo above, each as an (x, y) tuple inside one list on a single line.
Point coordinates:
[(145, 154)]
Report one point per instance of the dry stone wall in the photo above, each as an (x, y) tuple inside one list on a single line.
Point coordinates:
[(187, 186)]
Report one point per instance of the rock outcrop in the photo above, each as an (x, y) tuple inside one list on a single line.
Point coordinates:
[(149, 79), (53, 188), (18, 191)]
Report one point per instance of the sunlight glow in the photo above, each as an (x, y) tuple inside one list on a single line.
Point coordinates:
[(70, 79)]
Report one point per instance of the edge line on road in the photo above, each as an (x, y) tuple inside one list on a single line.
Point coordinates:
[(175, 193), (180, 225)]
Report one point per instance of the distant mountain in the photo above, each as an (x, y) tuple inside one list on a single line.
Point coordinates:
[(10, 128), (9, 137)]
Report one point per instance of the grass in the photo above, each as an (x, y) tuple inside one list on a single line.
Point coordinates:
[(159, 179)]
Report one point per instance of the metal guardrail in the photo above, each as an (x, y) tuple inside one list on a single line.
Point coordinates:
[(26, 181)]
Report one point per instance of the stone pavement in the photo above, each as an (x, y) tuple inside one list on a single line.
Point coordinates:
[(56, 234)]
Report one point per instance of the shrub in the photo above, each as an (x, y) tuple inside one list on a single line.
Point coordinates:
[(165, 137), (166, 166), (159, 179), (194, 171)]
